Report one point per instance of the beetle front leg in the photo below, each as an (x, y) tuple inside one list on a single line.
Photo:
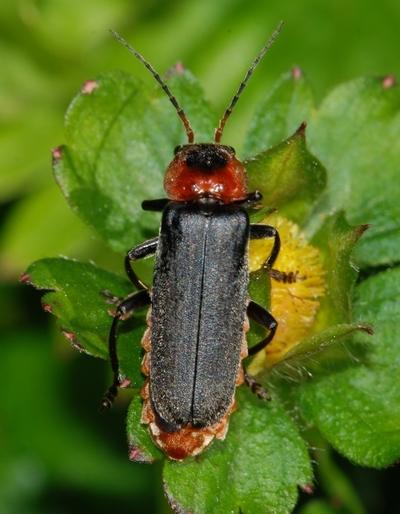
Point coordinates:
[(252, 200), (131, 304), (259, 231), (141, 251), (157, 205)]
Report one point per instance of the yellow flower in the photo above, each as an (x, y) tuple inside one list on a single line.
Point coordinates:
[(294, 305)]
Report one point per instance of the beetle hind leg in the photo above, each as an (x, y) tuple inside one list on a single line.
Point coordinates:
[(112, 392), (131, 304)]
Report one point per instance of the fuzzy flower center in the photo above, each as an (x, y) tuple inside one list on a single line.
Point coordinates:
[(293, 305)]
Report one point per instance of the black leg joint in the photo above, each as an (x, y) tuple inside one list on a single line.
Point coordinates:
[(251, 200), (264, 318), (259, 231), (141, 251), (155, 205)]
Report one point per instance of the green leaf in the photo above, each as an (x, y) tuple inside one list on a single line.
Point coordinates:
[(355, 133), (22, 238), (82, 311), (321, 340), (337, 239), (256, 469), (120, 138), (357, 408), (290, 178), (283, 110), (141, 446)]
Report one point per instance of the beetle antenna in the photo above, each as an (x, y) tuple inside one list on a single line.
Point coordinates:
[(228, 112), (180, 111)]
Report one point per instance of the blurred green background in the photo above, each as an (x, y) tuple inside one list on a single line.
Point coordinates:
[(57, 455)]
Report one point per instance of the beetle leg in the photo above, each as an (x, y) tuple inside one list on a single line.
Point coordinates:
[(131, 304), (253, 199), (141, 251), (256, 388), (285, 277), (157, 205), (110, 298), (264, 318), (259, 231)]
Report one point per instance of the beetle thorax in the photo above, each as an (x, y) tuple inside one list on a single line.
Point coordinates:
[(205, 171)]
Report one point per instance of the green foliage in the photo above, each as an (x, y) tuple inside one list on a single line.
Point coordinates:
[(56, 452), (290, 176), (254, 470), (357, 408), (77, 300), (100, 170)]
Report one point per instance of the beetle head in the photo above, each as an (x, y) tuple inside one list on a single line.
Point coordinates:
[(205, 170)]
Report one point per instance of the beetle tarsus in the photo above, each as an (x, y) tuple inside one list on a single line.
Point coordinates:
[(256, 387), (289, 277), (109, 397), (110, 298)]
